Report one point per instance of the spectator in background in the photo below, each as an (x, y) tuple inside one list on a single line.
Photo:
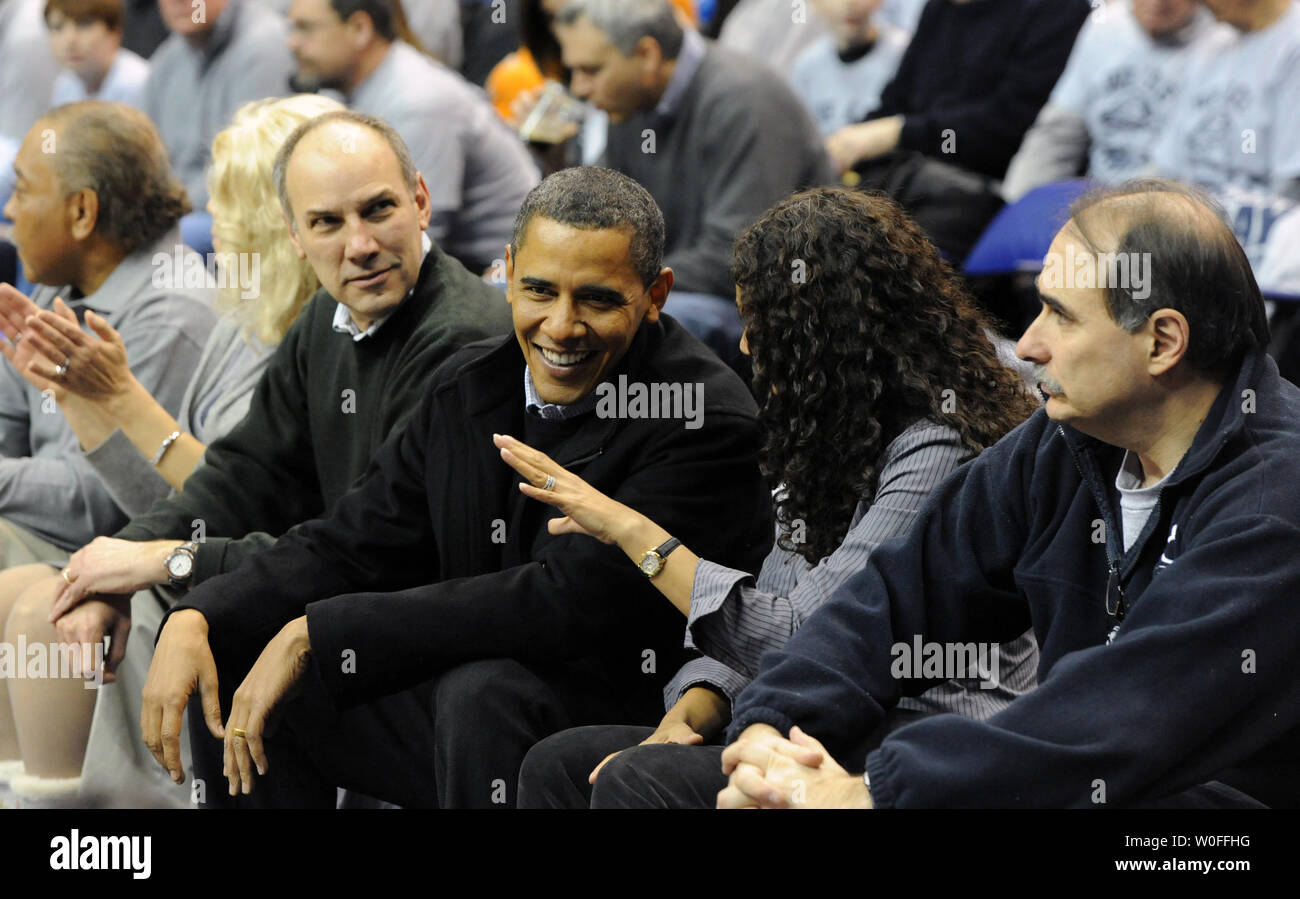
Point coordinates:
[(90, 231), (143, 29), (27, 73), (840, 77), (1107, 111), (86, 37), (220, 55), (1235, 129), (774, 31), (714, 137), (436, 24), (478, 172), (969, 86)]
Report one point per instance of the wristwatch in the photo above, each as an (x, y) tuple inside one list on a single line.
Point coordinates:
[(653, 561), (180, 564)]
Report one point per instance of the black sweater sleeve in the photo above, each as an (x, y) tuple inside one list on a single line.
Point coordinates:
[(257, 480), (1003, 73)]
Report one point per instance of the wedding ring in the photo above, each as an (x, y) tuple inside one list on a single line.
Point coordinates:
[(550, 482), (61, 370), (239, 732), (64, 572)]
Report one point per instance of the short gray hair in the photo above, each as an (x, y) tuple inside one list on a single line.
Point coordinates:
[(279, 171), (592, 198), (627, 21), (117, 152)]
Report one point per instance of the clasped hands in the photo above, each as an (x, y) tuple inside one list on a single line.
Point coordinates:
[(767, 770)]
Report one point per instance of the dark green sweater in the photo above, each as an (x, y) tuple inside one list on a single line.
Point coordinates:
[(321, 410)]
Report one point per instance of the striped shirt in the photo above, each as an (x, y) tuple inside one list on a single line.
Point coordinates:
[(735, 618)]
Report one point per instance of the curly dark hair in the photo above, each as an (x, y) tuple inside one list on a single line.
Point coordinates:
[(856, 328)]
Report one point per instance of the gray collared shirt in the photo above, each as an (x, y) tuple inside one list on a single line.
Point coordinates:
[(46, 484), (343, 322), (192, 93), (688, 62), (534, 403), (736, 618)]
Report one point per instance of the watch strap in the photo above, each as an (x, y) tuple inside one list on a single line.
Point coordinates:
[(663, 549)]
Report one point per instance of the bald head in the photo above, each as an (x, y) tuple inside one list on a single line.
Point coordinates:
[(335, 146), (1193, 263)]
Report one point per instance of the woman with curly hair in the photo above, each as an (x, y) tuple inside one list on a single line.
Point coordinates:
[(876, 379)]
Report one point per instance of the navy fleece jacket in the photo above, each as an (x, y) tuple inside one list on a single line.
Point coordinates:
[(1198, 683)]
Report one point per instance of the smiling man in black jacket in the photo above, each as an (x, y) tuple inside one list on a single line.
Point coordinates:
[(432, 628), (1145, 523)]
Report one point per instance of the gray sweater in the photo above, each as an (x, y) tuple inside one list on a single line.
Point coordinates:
[(46, 484), (193, 92), (737, 141), (477, 170), (215, 401)]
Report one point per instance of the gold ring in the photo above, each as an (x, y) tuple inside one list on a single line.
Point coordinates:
[(64, 572), (239, 732)]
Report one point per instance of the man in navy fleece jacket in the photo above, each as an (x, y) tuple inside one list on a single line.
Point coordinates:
[(1146, 523)]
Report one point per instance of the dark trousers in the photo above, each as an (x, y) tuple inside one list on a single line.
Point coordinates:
[(667, 776), (454, 741), (661, 775)]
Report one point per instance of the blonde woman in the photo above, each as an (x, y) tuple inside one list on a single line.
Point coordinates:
[(142, 454)]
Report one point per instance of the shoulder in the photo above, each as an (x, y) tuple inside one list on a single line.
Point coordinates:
[(258, 28), (680, 358), (461, 300), (170, 54)]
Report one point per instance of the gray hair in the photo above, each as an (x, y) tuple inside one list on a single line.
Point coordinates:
[(592, 198), (627, 21), (116, 151), (279, 171)]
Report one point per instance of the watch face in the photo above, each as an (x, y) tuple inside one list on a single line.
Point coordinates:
[(178, 565), (650, 564)]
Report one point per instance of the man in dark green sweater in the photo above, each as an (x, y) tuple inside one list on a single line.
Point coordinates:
[(350, 371)]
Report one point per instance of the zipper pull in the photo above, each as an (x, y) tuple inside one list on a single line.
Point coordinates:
[(1115, 606)]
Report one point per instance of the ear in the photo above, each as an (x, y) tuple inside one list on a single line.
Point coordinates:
[(659, 294), (293, 236), (83, 213), (360, 28), (510, 274), (649, 56), (1170, 340), (423, 205)]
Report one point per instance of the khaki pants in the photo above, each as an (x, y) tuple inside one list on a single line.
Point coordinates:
[(19, 546)]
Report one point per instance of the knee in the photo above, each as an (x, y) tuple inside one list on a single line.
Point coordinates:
[(484, 684), (30, 612)]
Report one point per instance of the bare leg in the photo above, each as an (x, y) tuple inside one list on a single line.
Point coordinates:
[(52, 714), (13, 581)]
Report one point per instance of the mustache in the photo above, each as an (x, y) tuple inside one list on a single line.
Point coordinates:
[(1042, 377)]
